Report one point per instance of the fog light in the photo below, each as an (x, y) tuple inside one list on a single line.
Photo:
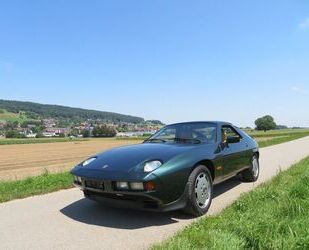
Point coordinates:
[(137, 186), (149, 186), (122, 185)]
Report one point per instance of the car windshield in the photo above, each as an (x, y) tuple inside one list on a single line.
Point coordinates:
[(196, 132)]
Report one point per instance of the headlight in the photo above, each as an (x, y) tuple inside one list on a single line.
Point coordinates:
[(88, 161), (151, 165)]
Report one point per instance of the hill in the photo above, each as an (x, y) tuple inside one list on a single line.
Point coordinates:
[(12, 117), (14, 109)]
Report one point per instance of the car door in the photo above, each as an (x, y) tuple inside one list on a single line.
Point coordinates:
[(233, 146)]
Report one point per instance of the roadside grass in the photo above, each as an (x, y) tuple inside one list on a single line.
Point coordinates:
[(41, 184), (273, 216)]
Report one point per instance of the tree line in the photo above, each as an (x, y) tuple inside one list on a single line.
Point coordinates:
[(36, 110)]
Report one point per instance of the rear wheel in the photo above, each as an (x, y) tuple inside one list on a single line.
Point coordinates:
[(252, 174), (200, 191)]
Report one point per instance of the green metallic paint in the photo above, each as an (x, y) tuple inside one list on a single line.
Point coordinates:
[(179, 159)]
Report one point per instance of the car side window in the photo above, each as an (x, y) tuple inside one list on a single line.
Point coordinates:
[(167, 134), (229, 132), (207, 133)]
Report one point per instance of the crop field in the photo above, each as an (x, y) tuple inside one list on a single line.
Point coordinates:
[(272, 133), (23, 160), (30, 157), (11, 141), (273, 137)]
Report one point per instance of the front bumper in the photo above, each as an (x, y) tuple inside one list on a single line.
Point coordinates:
[(144, 200)]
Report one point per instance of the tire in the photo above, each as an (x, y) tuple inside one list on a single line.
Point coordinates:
[(252, 174), (200, 188)]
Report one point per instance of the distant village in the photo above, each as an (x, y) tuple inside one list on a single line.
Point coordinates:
[(89, 128)]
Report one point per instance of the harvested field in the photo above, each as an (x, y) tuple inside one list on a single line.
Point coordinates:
[(19, 161)]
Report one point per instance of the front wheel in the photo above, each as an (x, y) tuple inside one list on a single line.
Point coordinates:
[(252, 174), (200, 191)]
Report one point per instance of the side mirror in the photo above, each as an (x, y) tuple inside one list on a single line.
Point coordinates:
[(233, 139)]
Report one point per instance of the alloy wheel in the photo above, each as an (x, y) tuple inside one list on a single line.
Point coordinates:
[(202, 190)]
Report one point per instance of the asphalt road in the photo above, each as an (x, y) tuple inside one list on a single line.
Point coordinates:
[(65, 220)]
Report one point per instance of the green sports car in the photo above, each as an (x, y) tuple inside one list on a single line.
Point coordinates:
[(176, 168)]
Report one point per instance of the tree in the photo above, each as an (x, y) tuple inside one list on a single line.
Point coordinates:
[(13, 134), (86, 133), (39, 135), (265, 123), (103, 131), (11, 125)]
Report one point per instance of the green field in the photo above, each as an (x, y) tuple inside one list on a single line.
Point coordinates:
[(38, 140), (277, 132), (273, 216), (12, 117), (274, 137), (279, 138)]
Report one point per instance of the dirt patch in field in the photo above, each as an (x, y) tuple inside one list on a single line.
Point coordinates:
[(20, 161)]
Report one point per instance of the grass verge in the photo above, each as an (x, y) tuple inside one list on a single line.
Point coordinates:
[(273, 216), (41, 184)]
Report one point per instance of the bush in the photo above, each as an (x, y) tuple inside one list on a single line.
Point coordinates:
[(104, 131), (39, 135), (14, 134), (86, 133)]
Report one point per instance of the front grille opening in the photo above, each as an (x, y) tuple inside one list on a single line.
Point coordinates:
[(77, 183), (142, 201), (94, 184)]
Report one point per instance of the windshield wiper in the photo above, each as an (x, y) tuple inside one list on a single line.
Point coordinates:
[(177, 139), (154, 140)]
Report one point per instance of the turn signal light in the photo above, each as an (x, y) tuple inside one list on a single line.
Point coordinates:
[(138, 186), (122, 185), (149, 186)]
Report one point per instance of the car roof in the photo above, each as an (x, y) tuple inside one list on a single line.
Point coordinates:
[(215, 122)]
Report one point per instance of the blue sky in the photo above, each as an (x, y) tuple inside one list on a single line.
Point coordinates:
[(168, 60)]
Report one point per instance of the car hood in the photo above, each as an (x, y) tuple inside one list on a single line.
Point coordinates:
[(127, 162)]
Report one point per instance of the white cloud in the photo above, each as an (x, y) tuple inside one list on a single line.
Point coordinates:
[(304, 24)]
